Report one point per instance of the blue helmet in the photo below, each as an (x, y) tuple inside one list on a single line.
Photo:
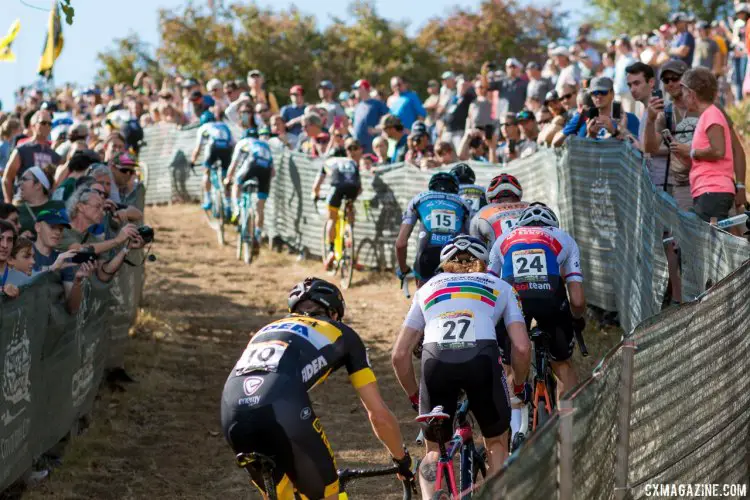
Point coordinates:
[(207, 117)]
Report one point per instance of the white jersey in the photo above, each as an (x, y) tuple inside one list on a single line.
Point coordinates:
[(457, 310), (496, 219), (536, 258)]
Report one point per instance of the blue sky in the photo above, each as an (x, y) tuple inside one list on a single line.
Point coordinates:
[(98, 22)]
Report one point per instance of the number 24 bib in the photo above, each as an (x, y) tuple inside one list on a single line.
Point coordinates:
[(529, 265)]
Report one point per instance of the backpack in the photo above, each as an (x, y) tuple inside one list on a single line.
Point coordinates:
[(133, 134)]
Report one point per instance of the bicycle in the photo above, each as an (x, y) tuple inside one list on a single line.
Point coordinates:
[(247, 247), (216, 215), (343, 244), (264, 466), (472, 458)]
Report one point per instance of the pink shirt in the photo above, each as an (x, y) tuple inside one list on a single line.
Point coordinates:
[(712, 176)]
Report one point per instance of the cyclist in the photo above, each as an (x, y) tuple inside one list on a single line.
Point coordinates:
[(504, 194), (216, 139), (265, 406), (443, 214), (345, 183), (457, 311), (472, 193), (540, 260), (252, 158)]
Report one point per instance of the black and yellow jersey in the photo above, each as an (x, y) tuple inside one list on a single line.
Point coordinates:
[(310, 348)]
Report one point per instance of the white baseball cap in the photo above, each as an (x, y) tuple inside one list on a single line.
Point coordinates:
[(213, 84)]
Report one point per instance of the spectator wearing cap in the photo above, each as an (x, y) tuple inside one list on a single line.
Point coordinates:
[(312, 125), (538, 86), (123, 168), (716, 179), (405, 103), (231, 91), (78, 134), (511, 90), (480, 110), (49, 228), (529, 132), (35, 189), (623, 59), (447, 93), (431, 105), (293, 113), (189, 89), (35, 152), (367, 115), (336, 116), (457, 113), (608, 123), (570, 74), (397, 135), (707, 54), (553, 103), (683, 43), (258, 92), (216, 90), (672, 115)]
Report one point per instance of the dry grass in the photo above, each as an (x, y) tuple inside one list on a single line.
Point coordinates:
[(162, 438)]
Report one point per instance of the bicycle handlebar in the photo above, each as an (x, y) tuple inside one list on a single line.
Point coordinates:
[(346, 475)]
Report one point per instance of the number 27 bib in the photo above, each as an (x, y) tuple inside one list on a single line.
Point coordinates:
[(453, 330)]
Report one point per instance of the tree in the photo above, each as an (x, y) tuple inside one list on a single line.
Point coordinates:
[(500, 28), (129, 56), (641, 16)]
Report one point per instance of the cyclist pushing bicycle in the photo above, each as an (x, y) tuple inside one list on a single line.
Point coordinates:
[(265, 407), (457, 311), (540, 260), (345, 184)]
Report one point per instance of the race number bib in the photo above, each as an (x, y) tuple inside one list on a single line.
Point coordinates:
[(473, 202), (454, 330), (264, 356), (529, 265), (443, 221)]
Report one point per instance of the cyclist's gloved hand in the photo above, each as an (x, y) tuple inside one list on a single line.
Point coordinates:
[(523, 392), (401, 275), (405, 466), (414, 398), (579, 324)]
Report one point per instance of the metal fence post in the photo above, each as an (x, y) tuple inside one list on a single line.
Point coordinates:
[(565, 450), (623, 422)]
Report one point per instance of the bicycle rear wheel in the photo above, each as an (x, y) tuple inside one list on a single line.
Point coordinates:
[(347, 257), (324, 243), (217, 199)]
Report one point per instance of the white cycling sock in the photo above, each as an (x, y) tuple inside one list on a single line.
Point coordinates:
[(515, 421)]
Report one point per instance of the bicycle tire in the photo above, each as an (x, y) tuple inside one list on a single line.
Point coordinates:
[(218, 203), (441, 495), (240, 234), (347, 259), (324, 243), (248, 238)]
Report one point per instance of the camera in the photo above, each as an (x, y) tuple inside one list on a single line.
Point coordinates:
[(146, 233), (83, 257)]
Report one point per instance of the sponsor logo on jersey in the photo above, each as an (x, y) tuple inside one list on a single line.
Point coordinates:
[(305, 413), (471, 290), (524, 287), (249, 401), (312, 368), (529, 236), (251, 385)]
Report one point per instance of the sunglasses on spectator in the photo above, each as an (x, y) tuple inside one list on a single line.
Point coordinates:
[(352, 148), (553, 100), (101, 193), (126, 171), (565, 97), (599, 93), (670, 79), (544, 122), (45, 123)]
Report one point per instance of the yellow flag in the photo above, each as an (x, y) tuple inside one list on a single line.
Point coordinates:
[(53, 43), (5, 53)]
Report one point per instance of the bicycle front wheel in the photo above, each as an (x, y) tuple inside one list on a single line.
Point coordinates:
[(218, 207), (347, 256)]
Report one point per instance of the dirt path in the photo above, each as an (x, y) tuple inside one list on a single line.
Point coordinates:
[(162, 438)]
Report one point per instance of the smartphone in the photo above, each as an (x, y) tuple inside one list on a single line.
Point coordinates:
[(667, 136), (616, 110), (512, 147), (489, 131), (657, 93), (592, 113), (82, 257)]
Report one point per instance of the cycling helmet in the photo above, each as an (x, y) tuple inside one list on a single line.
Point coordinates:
[(504, 185), (207, 117), (251, 132), (443, 182), (319, 291), (464, 174), (538, 214), (464, 243)]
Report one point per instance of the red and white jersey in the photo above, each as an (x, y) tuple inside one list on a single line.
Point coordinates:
[(496, 219)]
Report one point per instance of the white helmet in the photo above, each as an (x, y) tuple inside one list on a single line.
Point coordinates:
[(538, 214), (464, 243)]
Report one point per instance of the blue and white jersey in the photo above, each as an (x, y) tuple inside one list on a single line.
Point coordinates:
[(443, 216), (250, 152), (215, 134)]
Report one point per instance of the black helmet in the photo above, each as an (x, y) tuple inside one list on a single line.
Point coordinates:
[(443, 182), (464, 174), (319, 291)]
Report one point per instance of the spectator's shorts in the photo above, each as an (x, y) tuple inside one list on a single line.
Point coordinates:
[(271, 414), (710, 205), (338, 194), (222, 155), (263, 174), (553, 317), (478, 372)]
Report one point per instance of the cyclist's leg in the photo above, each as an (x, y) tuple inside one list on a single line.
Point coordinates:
[(440, 385), (264, 187), (334, 205), (210, 159), (560, 327), (487, 391), (225, 158), (503, 342)]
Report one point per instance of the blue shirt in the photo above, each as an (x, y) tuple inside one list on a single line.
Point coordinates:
[(408, 107), (367, 114), (570, 126), (290, 112), (685, 38)]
